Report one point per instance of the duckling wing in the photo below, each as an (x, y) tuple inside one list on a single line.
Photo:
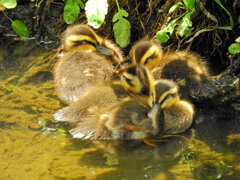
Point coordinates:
[(189, 72), (91, 103), (178, 118), (78, 71)]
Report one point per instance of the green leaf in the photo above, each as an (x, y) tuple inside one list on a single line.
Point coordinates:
[(122, 32), (10, 4), (224, 27), (81, 4), (20, 28), (162, 36), (71, 11), (234, 48), (231, 19), (184, 26), (174, 7), (171, 26), (190, 4), (120, 14), (238, 39)]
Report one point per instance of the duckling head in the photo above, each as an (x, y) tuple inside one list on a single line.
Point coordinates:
[(82, 37), (137, 79), (164, 95), (147, 53)]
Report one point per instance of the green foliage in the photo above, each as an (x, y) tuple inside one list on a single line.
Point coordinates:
[(235, 47), (231, 19), (95, 11), (121, 28), (72, 10), (20, 28), (185, 25), (9, 4), (175, 6), (111, 160), (190, 4), (162, 35)]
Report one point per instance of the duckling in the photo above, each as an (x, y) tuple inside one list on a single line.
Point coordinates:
[(87, 59), (170, 114), (126, 120), (187, 69), (85, 113)]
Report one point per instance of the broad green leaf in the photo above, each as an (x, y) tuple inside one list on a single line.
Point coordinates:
[(231, 19), (71, 11), (122, 32), (120, 14), (81, 4), (238, 39), (171, 26), (10, 4), (174, 7), (95, 12), (234, 48), (20, 28), (162, 36), (190, 4), (184, 26)]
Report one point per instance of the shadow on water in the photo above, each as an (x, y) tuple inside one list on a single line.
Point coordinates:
[(35, 147)]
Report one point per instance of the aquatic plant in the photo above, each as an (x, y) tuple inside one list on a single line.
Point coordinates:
[(18, 26)]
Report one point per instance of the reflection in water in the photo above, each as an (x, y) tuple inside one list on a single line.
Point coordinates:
[(35, 147)]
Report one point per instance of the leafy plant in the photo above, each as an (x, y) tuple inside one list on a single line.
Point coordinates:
[(71, 10), (185, 24), (111, 160), (9, 4), (234, 48), (231, 19), (18, 26), (122, 27), (95, 12)]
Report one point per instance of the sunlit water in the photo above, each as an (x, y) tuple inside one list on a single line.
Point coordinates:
[(33, 146)]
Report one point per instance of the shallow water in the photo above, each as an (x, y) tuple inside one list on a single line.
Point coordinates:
[(33, 146)]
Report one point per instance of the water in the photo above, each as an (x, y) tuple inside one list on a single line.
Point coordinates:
[(33, 146)]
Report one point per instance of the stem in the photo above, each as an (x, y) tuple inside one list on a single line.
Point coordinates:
[(7, 16), (118, 5)]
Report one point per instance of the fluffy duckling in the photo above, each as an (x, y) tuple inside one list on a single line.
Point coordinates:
[(87, 59), (170, 114), (126, 120), (188, 70), (89, 115)]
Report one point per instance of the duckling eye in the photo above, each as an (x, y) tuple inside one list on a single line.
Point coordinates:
[(129, 81), (171, 95), (147, 61), (150, 58)]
